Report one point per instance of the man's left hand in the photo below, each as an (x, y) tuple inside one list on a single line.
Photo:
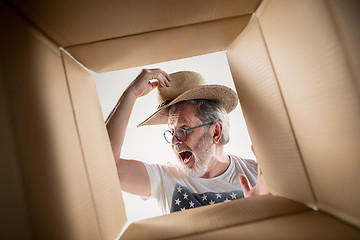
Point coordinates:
[(260, 188)]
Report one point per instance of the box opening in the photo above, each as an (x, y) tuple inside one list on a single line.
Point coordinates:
[(110, 85)]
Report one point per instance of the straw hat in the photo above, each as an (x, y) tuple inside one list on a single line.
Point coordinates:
[(186, 85)]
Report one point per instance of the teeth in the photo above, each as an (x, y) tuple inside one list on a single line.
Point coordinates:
[(185, 156)]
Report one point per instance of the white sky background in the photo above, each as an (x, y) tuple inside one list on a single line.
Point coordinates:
[(147, 143)]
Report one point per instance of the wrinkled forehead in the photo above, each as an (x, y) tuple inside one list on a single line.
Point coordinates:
[(184, 116)]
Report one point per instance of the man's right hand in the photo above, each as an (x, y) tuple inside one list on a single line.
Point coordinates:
[(132, 174), (148, 80)]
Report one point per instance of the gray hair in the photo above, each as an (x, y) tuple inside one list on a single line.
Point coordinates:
[(207, 111)]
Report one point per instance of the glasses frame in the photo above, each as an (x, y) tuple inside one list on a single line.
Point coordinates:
[(185, 131)]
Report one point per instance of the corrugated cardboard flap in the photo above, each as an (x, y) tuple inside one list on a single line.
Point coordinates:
[(206, 222)]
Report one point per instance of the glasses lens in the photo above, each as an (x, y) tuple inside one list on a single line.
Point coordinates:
[(181, 134), (168, 136)]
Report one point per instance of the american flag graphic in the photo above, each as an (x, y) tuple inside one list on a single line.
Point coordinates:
[(184, 199)]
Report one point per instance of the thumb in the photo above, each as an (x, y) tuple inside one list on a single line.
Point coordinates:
[(154, 84), (244, 184)]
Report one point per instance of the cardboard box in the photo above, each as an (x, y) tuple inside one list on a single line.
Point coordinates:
[(296, 69)]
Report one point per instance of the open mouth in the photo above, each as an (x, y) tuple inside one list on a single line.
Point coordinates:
[(186, 156)]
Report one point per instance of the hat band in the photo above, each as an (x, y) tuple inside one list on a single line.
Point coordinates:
[(165, 103)]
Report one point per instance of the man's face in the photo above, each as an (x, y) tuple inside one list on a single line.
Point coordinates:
[(196, 151)]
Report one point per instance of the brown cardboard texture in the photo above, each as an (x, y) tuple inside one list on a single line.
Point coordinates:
[(295, 67)]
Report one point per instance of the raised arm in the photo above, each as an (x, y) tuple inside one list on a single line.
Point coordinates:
[(132, 174)]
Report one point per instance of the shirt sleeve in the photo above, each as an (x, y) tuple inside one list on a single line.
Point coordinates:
[(155, 172)]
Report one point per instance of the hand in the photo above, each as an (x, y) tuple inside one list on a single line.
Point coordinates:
[(143, 83), (260, 188)]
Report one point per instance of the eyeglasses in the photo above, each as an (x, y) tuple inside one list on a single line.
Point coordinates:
[(180, 133)]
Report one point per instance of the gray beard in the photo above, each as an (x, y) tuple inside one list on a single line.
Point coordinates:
[(199, 168), (201, 163)]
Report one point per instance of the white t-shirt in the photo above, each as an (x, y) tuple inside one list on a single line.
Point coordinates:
[(175, 190)]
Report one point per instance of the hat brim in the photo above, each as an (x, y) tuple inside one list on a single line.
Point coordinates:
[(225, 95)]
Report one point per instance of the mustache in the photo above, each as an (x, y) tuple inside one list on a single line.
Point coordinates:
[(182, 148)]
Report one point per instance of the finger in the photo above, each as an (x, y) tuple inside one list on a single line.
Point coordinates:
[(252, 148), (244, 182), (166, 75), (262, 187), (157, 74), (164, 82), (259, 170)]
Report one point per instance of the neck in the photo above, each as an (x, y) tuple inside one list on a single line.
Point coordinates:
[(218, 163)]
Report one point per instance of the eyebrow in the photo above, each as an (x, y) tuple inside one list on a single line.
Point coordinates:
[(180, 126), (183, 124)]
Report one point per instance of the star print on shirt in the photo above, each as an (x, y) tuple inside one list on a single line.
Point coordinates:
[(177, 202), (183, 198), (204, 197), (233, 195)]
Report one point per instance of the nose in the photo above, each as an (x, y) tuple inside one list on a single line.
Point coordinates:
[(174, 140)]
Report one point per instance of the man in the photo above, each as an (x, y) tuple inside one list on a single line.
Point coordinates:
[(196, 114)]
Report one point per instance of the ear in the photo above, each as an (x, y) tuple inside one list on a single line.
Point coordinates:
[(217, 132)]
